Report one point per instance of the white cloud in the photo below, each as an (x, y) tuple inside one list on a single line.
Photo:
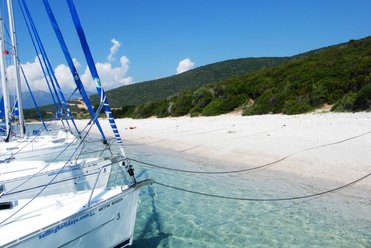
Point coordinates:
[(33, 73), (111, 77), (76, 63), (64, 76), (113, 50), (184, 65)]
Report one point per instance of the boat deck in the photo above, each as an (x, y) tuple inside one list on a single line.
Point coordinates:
[(18, 169), (42, 212)]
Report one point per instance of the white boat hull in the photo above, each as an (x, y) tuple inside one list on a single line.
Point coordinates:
[(107, 223)]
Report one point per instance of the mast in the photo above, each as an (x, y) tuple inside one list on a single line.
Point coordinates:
[(16, 67), (4, 81)]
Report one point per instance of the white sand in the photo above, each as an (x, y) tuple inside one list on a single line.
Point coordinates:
[(256, 140)]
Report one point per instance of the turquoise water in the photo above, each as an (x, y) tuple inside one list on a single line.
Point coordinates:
[(172, 218)]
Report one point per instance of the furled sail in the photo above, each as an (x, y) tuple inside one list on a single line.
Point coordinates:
[(71, 66), (94, 74), (2, 109), (15, 111)]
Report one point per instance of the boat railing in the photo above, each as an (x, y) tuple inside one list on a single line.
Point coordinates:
[(95, 185), (117, 172), (54, 153), (84, 150)]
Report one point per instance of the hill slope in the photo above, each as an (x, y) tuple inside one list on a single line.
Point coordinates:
[(339, 75), (148, 91)]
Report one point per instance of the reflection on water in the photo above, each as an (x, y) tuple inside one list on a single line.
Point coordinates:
[(171, 218)]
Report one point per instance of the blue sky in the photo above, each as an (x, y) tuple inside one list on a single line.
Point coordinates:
[(155, 36)]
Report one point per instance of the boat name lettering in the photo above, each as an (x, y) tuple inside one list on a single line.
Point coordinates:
[(116, 201), (65, 224), (103, 207)]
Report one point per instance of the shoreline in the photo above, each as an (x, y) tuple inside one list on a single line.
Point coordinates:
[(317, 146)]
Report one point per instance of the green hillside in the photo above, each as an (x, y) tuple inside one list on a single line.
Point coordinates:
[(338, 75), (162, 88)]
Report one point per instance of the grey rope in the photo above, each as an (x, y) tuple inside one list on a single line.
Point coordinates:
[(265, 199), (252, 168)]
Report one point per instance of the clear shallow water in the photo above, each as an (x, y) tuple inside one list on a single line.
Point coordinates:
[(171, 218)]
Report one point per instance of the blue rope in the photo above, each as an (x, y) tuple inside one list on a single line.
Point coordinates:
[(33, 99), (38, 57), (50, 70), (72, 67), (59, 105), (93, 71)]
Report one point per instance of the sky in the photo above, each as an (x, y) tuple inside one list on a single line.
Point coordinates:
[(139, 40)]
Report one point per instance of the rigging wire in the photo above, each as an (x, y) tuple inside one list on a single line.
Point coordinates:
[(27, 141), (90, 125), (60, 153), (21, 68), (42, 60)]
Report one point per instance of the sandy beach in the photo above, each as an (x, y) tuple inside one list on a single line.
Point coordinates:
[(319, 146)]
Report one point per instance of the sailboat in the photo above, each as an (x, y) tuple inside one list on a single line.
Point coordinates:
[(23, 174), (21, 145), (95, 217)]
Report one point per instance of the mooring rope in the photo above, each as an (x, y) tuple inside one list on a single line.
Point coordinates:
[(251, 168), (264, 199)]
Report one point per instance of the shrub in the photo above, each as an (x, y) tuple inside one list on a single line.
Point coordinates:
[(222, 105), (182, 105), (196, 111), (268, 102), (363, 98), (162, 109), (297, 105), (145, 110), (201, 97), (345, 103)]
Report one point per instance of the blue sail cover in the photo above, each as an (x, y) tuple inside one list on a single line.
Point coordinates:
[(47, 63), (94, 73), (38, 55), (2, 116), (71, 65), (2, 108), (15, 112)]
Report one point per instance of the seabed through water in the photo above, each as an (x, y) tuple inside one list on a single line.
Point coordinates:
[(171, 218)]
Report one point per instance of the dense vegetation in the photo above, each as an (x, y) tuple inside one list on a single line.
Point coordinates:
[(149, 91), (31, 114), (338, 75)]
